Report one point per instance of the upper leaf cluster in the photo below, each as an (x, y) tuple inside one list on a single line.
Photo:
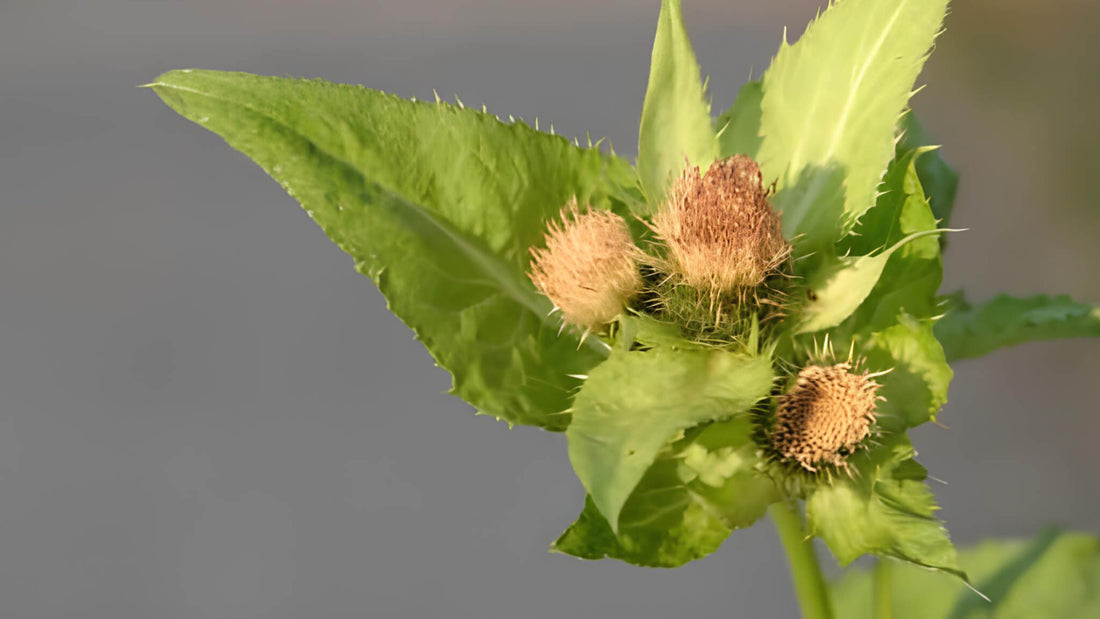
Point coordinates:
[(439, 205)]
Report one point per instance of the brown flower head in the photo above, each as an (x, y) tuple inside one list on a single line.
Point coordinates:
[(588, 267), (825, 416), (721, 232)]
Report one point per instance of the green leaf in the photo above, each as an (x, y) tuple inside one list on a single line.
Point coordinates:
[(665, 528), (916, 386), (841, 286), (871, 286), (687, 503), (644, 331), (886, 509), (636, 402), (911, 277), (939, 180), (968, 332), (719, 468), (438, 205), (1054, 576), (499, 182), (676, 125), (739, 126), (831, 103), (893, 325)]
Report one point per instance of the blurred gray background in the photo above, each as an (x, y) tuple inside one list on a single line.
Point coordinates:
[(205, 412)]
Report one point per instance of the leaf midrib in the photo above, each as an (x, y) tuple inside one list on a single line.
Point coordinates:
[(875, 49)]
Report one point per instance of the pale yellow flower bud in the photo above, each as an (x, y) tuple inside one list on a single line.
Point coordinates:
[(589, 266)]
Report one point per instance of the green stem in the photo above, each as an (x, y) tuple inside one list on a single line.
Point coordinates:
[(809, 585), (883, 608)]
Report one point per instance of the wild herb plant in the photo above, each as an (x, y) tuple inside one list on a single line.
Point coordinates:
[(746, 321)]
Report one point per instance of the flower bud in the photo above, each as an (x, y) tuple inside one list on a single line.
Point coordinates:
[(825, 415), (588, 267), (721, 232)]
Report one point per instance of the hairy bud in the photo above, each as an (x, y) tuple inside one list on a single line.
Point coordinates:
[(588, 267), (721, 232), (825, 416)]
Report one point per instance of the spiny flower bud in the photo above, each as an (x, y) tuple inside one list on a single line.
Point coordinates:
[(721, 232), (825, 416), (588, 268)]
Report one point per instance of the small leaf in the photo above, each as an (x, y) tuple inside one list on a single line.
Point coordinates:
[(648, 332), (636, 402), (939, 180), (438, 205), (719, 467), (893, 325), (837, 289), (676, 125), (670, 529), (911, 278), (1055, 575), (916, 386), (739, 126), (886, 509), (831, 102), (686, 504), (968, 332)]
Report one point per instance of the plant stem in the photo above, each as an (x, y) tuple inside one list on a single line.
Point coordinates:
[(883, 608), (809, 585)]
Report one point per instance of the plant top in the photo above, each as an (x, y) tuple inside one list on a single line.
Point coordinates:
[(696, 288)]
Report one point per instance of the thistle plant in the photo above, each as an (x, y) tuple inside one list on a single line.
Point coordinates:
[(748, 321)]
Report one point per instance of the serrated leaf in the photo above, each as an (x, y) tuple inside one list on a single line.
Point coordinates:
[(886, 509), (739, 126), (831, 102), (496, 181), (893, 325), (1056, 575), (719, 466), (916, 386), (841, 286), (676, 125), (967, 332), (911, 277), (438, 205), (939, 180), (636, 402), (686, 505)]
